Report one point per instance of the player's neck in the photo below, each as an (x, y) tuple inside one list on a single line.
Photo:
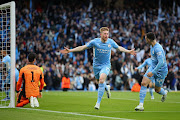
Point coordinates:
[(102, 40), (4, 55), (153, 43), (30, 63)]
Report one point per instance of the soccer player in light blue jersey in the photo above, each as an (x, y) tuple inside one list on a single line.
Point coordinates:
[(156, 72), (101, 62), (6, 83), (147, 62)]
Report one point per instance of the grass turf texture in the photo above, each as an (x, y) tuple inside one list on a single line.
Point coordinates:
[(80, 106)]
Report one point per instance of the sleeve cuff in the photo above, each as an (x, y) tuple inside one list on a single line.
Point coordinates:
[(40, 91), (17, 91), (153, 72)]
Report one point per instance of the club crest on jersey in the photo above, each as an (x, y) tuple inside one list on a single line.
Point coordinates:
[(153, 52), (159, 53), (109, 45), (107, 69)]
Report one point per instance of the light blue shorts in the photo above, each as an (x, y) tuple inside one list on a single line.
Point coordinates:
[(16, 76), (101, 69), (8, 77), (158, 78)]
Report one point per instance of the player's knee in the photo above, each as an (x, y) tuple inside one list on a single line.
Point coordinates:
[(143, 83), (101, 81), (152, 86), (157, 90)]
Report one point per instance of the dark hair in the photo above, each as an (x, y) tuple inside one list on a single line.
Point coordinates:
[(66, 75), (151, 36), (31, 57)]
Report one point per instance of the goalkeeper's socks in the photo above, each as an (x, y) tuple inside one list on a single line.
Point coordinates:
[(101, 91), (162, 92), (151, 91), (142, 93)]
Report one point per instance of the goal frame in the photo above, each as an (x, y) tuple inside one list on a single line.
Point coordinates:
[(12, 51)]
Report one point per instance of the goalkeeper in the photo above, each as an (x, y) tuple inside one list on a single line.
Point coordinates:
[(30, 75)]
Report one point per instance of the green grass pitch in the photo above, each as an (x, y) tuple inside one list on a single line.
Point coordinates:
[(58, 105)]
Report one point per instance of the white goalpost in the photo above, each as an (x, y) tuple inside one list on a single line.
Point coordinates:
[(7, 44)]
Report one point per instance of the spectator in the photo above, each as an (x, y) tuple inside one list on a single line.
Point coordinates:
[(124, 71), (48, 80), (117, 78), (48, 28), (92, 87), (65, 82), (79, 81), (169, 79)]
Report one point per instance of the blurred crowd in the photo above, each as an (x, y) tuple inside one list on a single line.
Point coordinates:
[(48, 27)]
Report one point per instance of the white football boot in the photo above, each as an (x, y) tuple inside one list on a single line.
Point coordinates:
[(139, 108), (164, 96), (36, 103), (108, 91), (32, 101), (152, 97), (97, 106)]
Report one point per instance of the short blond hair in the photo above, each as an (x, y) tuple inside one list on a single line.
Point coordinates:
[(104, 29)]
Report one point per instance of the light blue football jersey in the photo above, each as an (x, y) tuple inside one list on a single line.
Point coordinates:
[(158, 59), (102, 51), (7, 60), (147, 62)]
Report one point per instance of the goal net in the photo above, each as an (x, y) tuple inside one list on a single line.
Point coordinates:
[(7, 55)]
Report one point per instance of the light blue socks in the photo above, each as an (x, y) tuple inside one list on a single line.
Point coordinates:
[(151, 91), (142, 94), (101, 90), (162, 92)]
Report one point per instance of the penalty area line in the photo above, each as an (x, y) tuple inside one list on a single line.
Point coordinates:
[(78, 114), (135, 112)]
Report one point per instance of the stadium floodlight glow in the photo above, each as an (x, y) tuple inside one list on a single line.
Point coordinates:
[(7, 43)]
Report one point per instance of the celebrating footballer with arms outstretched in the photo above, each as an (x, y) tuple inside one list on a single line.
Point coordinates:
[(101, 61)]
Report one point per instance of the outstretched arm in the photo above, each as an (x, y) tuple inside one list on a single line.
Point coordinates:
[(132, 52), (142, 65), (76, 49)]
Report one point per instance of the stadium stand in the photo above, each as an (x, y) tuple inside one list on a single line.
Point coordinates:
[(46, 27)]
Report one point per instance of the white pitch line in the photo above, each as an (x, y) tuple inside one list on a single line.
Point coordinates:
[(124, 98), (135, 111), (144, 100), (73, 113), (134, 99)]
